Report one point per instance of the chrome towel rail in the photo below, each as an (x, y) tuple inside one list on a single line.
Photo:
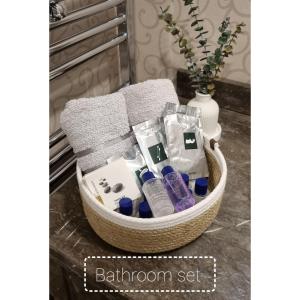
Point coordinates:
[(62, 162), (56, 137), (87, 34), (57, 156), (86, 12), (69, 65), (62, 168)]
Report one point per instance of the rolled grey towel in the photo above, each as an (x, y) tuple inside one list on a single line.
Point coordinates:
[(90, 123), (146, 100), (98, 157)]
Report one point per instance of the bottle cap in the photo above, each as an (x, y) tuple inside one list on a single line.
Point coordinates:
[(166, 170), (201, 186), (126, 206), (144, 210), (147, 175), (186, 178)]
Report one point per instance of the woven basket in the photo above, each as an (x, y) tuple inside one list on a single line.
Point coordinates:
[(164, 233)]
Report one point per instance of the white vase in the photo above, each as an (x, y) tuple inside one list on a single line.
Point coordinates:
[(209, 115)]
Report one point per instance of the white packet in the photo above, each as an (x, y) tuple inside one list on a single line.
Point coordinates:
[(185, 140), (152, 142), (134, 161)]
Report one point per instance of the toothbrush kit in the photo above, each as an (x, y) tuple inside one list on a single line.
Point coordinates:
[(157, 194)]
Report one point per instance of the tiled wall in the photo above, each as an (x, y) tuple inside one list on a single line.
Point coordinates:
[(155, 52)]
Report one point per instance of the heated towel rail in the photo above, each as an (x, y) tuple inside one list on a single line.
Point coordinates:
[(62, 163)]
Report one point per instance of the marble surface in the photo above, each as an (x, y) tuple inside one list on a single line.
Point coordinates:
[(227, 239)]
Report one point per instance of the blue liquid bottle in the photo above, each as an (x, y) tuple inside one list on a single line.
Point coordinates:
[(177, 190)]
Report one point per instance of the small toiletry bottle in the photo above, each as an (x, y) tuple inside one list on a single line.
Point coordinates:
[(145, 210), (177, 189), (186, 178), (156, 195), (201, 185), (126, 206)]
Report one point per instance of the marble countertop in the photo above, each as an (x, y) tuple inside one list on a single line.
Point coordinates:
[(227, 239)]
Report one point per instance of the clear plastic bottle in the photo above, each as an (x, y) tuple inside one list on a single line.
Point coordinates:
[(177, 189), (156, 195)]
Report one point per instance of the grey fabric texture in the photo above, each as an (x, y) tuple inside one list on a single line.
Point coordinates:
[(146, 100), (90, 123)]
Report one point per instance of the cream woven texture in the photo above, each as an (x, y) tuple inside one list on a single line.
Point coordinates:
[(157, 240)]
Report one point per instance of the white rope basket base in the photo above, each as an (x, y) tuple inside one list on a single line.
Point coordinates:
[(158, 234)]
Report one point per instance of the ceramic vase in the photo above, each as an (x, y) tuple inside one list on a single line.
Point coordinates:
[(209, 115)]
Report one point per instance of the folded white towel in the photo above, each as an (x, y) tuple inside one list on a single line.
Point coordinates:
[(146, 100), (88, 122)]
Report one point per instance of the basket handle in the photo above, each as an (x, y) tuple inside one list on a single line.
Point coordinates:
[(212, 143)]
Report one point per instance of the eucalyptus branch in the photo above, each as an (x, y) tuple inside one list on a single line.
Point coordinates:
[(202, 77), (197, 24), (227, 47), (181, 40)]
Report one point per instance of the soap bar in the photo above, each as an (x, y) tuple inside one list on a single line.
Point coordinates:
[(112, 182)]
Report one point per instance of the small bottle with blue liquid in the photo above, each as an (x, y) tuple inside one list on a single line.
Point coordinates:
[(177, 189)]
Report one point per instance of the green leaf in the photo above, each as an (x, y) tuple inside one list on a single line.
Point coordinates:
[(211, 86), (174, 31), (204, 58), (199, 28), (203, 42), (166, 9), (218, 52), (189, 54), (212, 92), (182, 43), (183, 50), (168, 18), (194, 23), (228, 49), (188, 2), (192, 9), (222, 40)]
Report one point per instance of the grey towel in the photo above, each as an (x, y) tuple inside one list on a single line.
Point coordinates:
[(146, 100), (90, 123)]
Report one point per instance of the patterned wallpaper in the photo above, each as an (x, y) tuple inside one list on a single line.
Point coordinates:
[(156, 55)]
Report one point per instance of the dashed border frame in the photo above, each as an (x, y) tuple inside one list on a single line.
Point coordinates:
[(151, 290)]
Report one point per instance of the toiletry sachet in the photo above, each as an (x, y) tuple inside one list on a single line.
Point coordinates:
[(152, 142), (185, 140)]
